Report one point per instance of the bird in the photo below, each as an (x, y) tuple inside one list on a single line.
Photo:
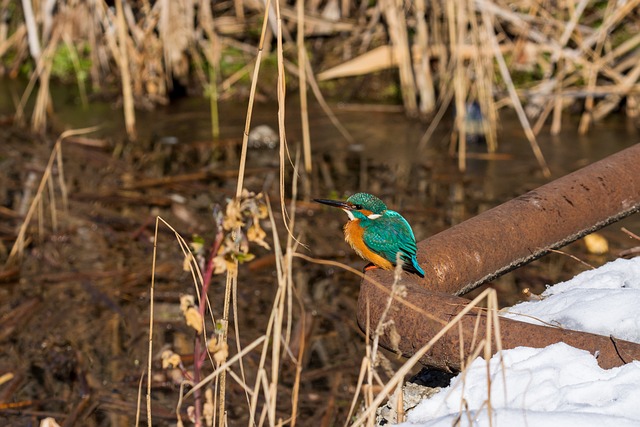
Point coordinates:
[(377, 233)]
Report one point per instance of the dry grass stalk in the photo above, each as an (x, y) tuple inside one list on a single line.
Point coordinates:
[(43, 98), (457, 20), (41, 74), (376, 59), (395, 18), (127, 95), (302, 77), (424, 78), (325, 107), (254, 83), (483, 346), (593, 74), (46, 181), (32, 29)]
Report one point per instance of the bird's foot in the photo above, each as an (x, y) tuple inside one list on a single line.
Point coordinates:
[(370, 266)]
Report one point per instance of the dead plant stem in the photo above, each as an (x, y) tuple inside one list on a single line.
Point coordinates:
[(302, 76), (252, 95), (18, 246), (405, 369), (127, 95)]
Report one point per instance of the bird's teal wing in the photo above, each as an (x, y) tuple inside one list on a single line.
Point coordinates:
[(389, 235)]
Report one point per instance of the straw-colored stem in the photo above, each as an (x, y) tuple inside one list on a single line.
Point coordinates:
[(397, 24), (424, 79), (302, 77), (413, 360), (125, 74), (18, 246), (252, 95), (32, 29), (585, 120), (213, 101)]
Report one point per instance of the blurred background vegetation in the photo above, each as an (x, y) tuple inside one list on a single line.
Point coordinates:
[(540, 58)]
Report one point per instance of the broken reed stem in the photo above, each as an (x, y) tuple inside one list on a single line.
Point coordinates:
[(299, 363), (32, 29), (444, 105), (458, 22), (424, 78), (575, 258), (127, 94), (252, 95), (18, 246), (394, 15), (586, 118), (231, 281), (213, 101), (313, 83), (236, 328), (43, 98), (302, 76), (289, 288)]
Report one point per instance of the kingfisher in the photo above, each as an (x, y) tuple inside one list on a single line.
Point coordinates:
[(378, 234)]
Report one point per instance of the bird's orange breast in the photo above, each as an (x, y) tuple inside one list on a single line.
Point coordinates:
[(353, 233)]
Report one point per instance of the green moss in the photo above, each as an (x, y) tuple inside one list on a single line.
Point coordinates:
[(255, 31), (71, 63), (231, 61), (621, 35)]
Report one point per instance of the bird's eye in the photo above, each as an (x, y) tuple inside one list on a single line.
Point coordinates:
[(357, 207)]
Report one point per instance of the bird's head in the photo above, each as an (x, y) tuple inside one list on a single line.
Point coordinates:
[(359, 206)]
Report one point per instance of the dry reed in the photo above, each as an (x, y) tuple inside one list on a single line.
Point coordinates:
[(588, 55), (37, 202)]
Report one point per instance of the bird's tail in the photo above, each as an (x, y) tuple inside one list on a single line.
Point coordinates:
[(412, 266)]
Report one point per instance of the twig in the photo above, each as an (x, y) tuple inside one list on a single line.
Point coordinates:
[(573, 257)]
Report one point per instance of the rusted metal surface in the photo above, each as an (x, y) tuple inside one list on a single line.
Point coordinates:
[(499, 240), (416, 329), (525, 228)]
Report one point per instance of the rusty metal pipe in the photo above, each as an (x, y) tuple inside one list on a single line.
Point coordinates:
[(415, 329), (501, 239)]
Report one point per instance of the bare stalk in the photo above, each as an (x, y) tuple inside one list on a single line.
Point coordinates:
[(302, 76), (127, 95)]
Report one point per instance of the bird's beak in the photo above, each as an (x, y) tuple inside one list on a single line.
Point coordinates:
[(335, 203)]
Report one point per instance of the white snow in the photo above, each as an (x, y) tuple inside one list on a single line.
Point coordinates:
[(604, 301), (558, 385)]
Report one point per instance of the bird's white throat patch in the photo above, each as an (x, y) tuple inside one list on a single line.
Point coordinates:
[(370, 216), (349, 214)]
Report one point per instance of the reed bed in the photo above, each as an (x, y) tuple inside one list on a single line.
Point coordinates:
[(539, 59)]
